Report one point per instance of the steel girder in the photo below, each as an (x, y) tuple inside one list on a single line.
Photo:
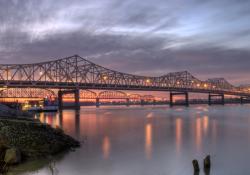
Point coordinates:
[(77, 72)]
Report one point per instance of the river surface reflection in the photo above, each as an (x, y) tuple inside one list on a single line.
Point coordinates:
[(154, 140)]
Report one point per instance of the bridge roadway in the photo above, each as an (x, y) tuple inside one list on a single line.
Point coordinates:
[(74, 73), (70, 85)]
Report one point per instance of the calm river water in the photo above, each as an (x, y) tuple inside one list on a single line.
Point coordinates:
[(152, 140)]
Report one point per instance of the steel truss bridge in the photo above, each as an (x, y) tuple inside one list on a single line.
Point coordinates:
[(36, 93), (75, 73)]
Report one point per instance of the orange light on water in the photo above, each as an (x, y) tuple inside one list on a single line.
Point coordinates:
[(148, 141), (198, 133), (205, 122), (106, 147), (178, 134)]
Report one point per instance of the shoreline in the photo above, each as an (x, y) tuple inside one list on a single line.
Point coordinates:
[(25, 139)]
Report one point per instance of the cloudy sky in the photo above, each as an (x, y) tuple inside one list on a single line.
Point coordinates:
[(209, 38)]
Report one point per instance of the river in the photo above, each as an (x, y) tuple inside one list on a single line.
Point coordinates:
[(152, 140)]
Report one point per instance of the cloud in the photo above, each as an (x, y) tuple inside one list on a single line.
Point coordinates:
[(151, 37)]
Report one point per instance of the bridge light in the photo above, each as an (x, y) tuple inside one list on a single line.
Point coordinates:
[(178, 82), (148, 81), (205, 85), (41, 72), (214, 86), (192, 81), (105, 77), (198, 85)]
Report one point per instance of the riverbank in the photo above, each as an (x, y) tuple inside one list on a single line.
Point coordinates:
[(23, 139)]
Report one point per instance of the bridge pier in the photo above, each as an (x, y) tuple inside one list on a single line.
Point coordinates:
[(142, 102), (154, 102), (172, 94), (97, 102), (210, 98), (243, 99), (77, 99), (60, 100), (76, 93), (127, 101)]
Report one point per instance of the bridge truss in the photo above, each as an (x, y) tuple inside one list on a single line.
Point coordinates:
[(76, 72), (30, 93)]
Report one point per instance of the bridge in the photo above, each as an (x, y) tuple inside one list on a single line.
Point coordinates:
[(51, 94), (71, 74)]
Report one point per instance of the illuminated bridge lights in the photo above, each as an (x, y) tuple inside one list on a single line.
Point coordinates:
[(76, 72)]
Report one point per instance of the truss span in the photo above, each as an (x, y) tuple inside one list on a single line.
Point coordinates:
[(84, 94), (76, 72), (112, 95), (27, 93)]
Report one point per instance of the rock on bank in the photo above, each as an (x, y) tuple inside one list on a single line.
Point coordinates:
[(33, 138)]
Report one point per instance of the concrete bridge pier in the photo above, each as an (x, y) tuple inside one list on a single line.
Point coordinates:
[(142, 102), (243, 99), (60, 100), (154, 102), (127, 102), (97, 102), (172, 94), (221, 96), (76, 93), (77, 99)]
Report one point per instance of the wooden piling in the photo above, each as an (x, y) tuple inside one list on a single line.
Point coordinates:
[(196, 165), (207, 162)]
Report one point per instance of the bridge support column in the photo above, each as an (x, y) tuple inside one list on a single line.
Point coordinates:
[(97, 102), (77, 99), (127, 101), (142, 102), (243, 100), (60, 102), (76, 93), (210, 99), (172, 94)]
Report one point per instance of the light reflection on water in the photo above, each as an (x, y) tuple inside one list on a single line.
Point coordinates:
[(154, 140), (148, 140)]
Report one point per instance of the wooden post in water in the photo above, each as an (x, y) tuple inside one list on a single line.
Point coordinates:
[(196, 166), (207, 163)]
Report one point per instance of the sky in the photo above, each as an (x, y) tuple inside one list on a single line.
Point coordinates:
[(208, 38)]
